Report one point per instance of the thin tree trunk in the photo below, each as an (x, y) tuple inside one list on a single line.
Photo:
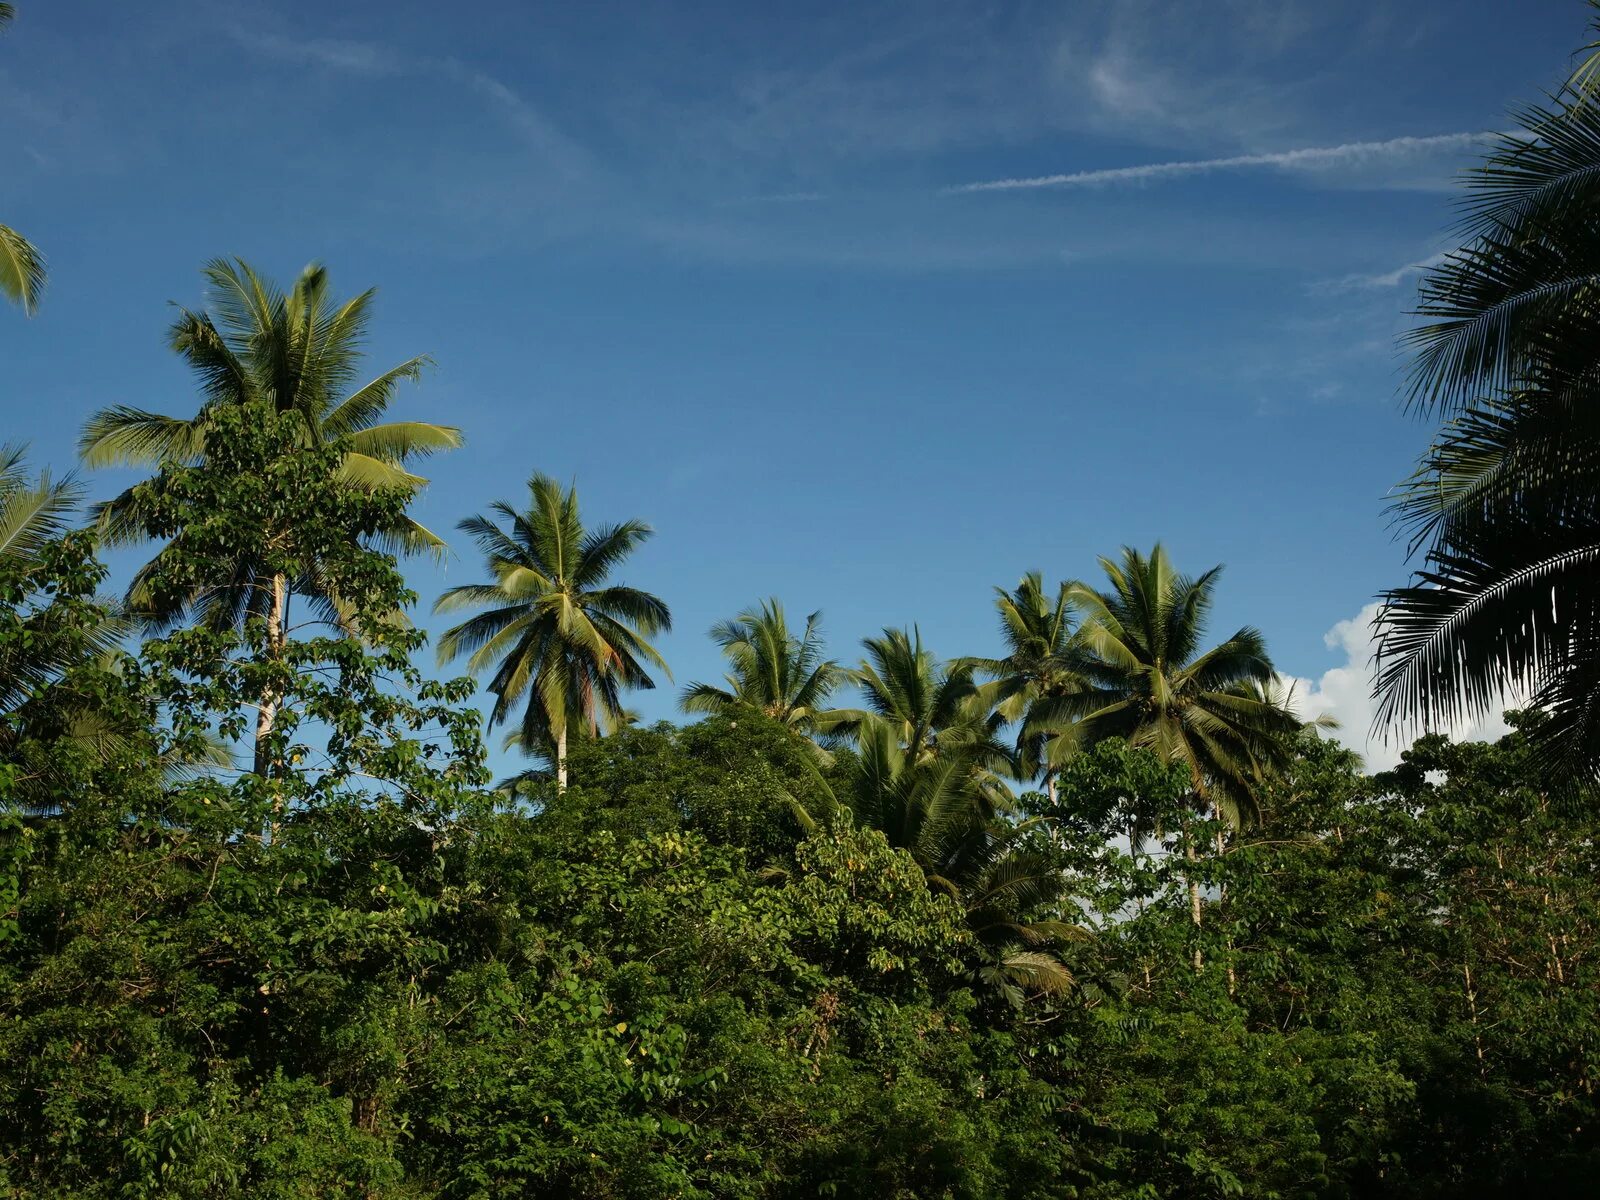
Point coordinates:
[(1222, 896), (1194, 896), (267, 713), (561, 761), (1194, 882)]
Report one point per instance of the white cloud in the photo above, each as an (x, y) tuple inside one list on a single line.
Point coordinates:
[(1350, 154), (1345, 693)]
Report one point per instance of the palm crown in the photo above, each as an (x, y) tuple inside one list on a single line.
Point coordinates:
[(928, 702), (1045, 660), (553, 631), (1506, 503), (1152, 684), (773, 669), (301, 353)]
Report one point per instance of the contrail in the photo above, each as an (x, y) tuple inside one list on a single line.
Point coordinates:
[(1310, 156)]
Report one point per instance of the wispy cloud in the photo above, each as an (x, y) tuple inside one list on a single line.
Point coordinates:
[(359, 58), (1388, 279), (537, 130), (373, 60), (778, 198), (1305, 158)]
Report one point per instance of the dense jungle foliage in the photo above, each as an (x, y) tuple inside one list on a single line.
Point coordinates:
[(707, 967)]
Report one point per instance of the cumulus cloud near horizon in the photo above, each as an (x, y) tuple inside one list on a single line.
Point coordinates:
[(1344, 692)]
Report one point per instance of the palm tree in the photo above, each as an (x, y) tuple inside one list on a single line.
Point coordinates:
[(931, 705), (21, 264), (1153, 686), (554, 631), (1044, 661), (1505, 505), (774, 670), (936, 808), (299, 352)]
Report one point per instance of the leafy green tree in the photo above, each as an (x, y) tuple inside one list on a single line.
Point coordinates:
[(1505, 505), (56, 627), (775, 671), (244, 995), (939, 810), (554, 631), (61, 645), (21, 265)]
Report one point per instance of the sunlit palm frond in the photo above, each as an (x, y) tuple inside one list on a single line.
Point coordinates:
[(22, 270)]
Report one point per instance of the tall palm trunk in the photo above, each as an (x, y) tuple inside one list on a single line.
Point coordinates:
[(1194, 894), (1222, 895), (1194, 862), (561, 761), (267, 712)]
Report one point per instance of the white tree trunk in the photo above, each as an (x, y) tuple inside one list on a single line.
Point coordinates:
[(267, 713)]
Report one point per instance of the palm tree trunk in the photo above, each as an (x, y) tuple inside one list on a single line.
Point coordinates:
[(1050, 791), (267, 712), (1194, 896), (561, 761), (1222, 896), (1194, 882)]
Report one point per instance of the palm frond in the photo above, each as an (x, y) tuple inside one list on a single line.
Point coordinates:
[(22, 270)]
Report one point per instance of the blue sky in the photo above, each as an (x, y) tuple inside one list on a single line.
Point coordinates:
[(724, 265)]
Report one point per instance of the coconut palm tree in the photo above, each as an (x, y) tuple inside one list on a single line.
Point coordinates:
[(554, 632), (21, 264), (300, 352), (1153, 686), (1044, 660), (930, 704), (1505, 506), (774, 670)]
